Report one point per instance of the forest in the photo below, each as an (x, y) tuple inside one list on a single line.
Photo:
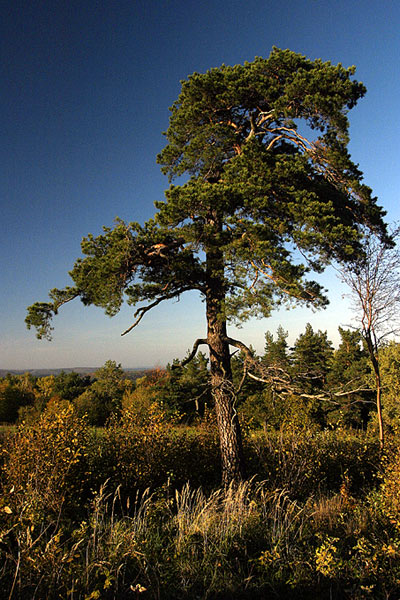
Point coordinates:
[(227, 474)]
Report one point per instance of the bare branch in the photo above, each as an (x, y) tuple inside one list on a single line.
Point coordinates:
[(191, 356), (260, 379), (281, 281), (144, 309), (241, 346), (374, 285), (240, 386)]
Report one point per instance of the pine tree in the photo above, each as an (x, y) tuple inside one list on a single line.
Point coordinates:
[(312, 358), (276, 351), (187, 389), (255, 192), (349, 376)]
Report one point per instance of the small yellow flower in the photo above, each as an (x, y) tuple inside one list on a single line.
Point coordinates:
[(138, 588)]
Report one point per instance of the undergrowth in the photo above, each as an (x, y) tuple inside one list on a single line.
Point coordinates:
[(134, 511)]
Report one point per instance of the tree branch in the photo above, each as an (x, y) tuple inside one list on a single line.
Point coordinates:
[(191, 356), (241, 346), (144, 309)]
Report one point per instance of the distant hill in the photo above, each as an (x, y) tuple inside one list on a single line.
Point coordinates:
[(132, 373)]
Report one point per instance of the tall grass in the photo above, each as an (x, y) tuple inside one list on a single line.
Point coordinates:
[(182, 545), (247, 541)]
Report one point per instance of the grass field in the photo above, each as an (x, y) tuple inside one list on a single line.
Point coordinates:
[(134, 510)]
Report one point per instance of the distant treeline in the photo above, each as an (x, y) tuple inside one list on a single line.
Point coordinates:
[(132, 373), (310, 382)]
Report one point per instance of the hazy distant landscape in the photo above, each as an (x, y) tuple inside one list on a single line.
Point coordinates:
[(80, 370)]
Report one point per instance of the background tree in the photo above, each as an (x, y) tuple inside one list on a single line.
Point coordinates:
[(144, 397), (276, 352), (374, 283), (12, 399), (104, 396), (71, 385), (254, 195), (311, 360), (263, 404), (349, 377), (389, 367), (187, 389)]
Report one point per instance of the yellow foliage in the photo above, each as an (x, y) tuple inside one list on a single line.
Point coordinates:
[(45, 387), (44, 459), (327, 561)]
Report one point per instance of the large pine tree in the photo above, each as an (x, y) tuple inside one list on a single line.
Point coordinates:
[(269, 192)]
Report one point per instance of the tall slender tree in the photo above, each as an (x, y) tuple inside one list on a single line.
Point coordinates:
[(312, 358), (374, 283), (276, 351), (267, 192), (348, 381)]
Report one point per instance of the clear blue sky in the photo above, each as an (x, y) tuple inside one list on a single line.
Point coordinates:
[(86, 90)]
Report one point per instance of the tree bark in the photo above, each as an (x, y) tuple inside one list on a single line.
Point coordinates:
[(379, 409), (232, 459), (375, 364)]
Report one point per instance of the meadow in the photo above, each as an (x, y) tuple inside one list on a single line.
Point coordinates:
[(134, 510)]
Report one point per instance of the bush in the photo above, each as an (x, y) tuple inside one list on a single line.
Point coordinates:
[(263, 410), (311, 529), (389, 496), (46, 463), (304, 461), (12, 398), (137, 452)]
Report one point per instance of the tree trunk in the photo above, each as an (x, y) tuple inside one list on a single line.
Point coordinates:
[(379, 410), (221, 374), (375, 364)]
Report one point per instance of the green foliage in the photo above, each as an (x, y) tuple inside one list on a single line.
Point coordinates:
[(297, 378), (276, 351), (141, 400), (187, 389), (389, 363), (46, 463), (274, 412), (247, 541), (350, 371), (315, 524), (104, 396), (311, 384), (12, 398), (303, 460), (70, 385), (390, 497), (262, 407), (137, 452), (181, 392), (312, 358)]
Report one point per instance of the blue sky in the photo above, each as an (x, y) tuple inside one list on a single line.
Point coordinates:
[(86, 91)]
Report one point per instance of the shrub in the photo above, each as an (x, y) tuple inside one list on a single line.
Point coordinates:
[(137, 452), (46, 462), (12, 397), (304, 461)]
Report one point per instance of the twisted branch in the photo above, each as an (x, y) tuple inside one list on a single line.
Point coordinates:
[(144, 309), (191, 356)]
